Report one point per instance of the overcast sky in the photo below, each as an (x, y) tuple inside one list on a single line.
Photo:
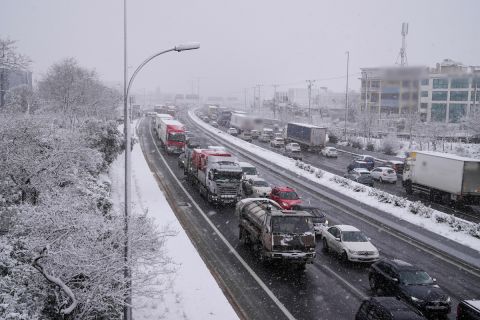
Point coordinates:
[(243, 42)]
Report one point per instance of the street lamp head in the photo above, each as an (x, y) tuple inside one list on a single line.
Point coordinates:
[(187, 46)]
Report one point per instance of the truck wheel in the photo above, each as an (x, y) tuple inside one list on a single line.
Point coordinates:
[(301, 266), (408, 187), (325, 246)]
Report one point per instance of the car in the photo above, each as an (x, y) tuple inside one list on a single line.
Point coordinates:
[(277, 142), (249, 170), (358, 164), (329, 152), (193, 143), (292, 146), (255, 134), (246, 136), (214, 124), (360, 175), (387, 308), (232, 131), (384, 174), (319, 218), (411, 284), (468, 310), (256, 187), (266, 135), (366, 158), (395, 165), (181, 160), (349, 243), (286, 197), (296, 155)]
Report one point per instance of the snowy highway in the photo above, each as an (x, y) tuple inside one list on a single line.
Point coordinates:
[(328, 288)]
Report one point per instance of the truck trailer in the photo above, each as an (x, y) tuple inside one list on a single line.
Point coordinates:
[(277, 234), (216, 173), (171, 134), (308, 136), (443, 177)]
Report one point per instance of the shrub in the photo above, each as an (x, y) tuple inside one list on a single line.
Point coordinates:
[(370, 146), (356, 143), (319, 173), (332, 138), (389, 145)]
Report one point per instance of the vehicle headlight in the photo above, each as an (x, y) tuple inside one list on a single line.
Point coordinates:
[(284, 204), (352, 251), (326, 222), (414, 299), (448, 300)]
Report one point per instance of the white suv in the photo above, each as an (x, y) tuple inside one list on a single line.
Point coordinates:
[(293, 146), (384, 174), (232, 131), (329, 152), (277, 142)]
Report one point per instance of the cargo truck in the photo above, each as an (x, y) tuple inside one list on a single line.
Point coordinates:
[(216, 173), (309, 137), (443, 177), (171, 134), (277, 234)]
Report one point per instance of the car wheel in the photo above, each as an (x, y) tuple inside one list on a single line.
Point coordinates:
[(344, 256), (380, 180), (325, 246), (373, 284)]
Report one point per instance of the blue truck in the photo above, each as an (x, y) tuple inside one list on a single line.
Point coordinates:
[(308, 136)]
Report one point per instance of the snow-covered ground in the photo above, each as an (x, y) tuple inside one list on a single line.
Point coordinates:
[(429, 223), (194, 293)]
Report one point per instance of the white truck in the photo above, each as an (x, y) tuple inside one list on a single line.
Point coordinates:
[(443, 177)]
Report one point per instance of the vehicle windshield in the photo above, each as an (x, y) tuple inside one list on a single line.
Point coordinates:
[(176, 136), (364, 173), (227, 176), (415, 277), (292, 224), (260, 183), (353, 236), (249, 171), (288, 195)]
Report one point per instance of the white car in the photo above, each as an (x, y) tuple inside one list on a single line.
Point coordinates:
[(232, 131), (384, 174), (293, 146), (257, 188), (277, 142), (350, 243), (330, 152), (249, 170)]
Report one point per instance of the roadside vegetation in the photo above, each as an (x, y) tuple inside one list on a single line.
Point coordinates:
[(62, 242)]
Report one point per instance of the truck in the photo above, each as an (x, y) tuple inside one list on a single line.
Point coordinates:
[(244, 122), (443, 177), (308, 136), (276, 234), (157, 117), (216, 173), (171, 134)]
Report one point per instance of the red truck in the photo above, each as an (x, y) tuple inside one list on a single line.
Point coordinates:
[(216, 173), (171, 134)]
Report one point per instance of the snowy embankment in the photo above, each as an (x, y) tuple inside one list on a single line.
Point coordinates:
[(458, 230), (193, 293)]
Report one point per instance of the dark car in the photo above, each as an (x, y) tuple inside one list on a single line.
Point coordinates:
[(368, 159), (360, 175), (193, 143), (468, 310), (358, 164), (411, 284), (387, 308), (181, 160), (319, 217), (296, 155)]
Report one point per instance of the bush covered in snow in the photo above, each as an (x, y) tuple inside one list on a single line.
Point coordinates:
[(389, 145)]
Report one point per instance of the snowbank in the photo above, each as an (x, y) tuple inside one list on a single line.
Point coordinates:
[(434, 221), (194, 294)]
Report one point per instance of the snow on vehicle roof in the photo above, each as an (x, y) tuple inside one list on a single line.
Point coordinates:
[(246, 164), (447, 155), (360, 170), (172, 122), (346, 227), (307, 125), (255, 178), (284, 189), (395, 161)]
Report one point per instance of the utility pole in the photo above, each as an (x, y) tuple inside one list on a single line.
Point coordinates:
[(403, 49), (245, 102), (346, 96), (274, 101), (254, 98), (367, 108), (259, 97), (309, 86)]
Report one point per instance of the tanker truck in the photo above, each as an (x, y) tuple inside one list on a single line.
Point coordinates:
[(276, 234), (216, 173)]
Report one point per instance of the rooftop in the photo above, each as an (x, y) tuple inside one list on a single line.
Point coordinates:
[(345, 227)]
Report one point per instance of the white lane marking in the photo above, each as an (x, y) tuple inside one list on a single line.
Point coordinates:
[(348, 284), (220, 235), (397, 234)]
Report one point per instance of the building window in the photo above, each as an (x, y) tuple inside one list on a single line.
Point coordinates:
[(425, 94), (439, 112), (390, 96), (476, 83), (473, 96), (459, 83), (456, 111), (374, 97), (439, 95), (440, 83), (458, 95), (425, 82), (406, 83), (423, 106), (405, 95), (375, 84)]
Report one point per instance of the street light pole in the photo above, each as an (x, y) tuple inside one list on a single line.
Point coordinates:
[(127, 309), (346, 97)]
